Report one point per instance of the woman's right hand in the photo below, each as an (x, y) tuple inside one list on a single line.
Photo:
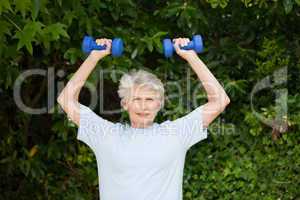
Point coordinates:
[(98, 54)]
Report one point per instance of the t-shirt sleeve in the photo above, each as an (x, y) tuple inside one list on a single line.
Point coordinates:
[(92, 128), (190, 128)]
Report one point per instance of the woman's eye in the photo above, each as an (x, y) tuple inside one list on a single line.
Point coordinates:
[(138, 99)]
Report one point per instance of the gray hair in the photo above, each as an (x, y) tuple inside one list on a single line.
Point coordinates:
[(140, 78)]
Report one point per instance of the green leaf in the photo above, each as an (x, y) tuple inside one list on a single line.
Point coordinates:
[(35, 9), (23, 6), (134, 53), (213, 3), (5, 5), (54, 31), (73, 54), (4, 29), (158, 45), (69, 16), (297, 2), (224, 3), (150, 46), (216, 3), (288, 6), (27, 35), (159, 34)]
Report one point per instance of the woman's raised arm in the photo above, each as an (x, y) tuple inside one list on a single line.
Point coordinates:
[(68, 98), (217, 97)]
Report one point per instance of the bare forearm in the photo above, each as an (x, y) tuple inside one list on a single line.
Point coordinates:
[(75, 84), (215, 91)]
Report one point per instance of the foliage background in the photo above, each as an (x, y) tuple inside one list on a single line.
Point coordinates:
[(245, 40)]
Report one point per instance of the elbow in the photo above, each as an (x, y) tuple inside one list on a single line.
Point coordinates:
[(220, 103), (227, 101), (64, 101), (64, 97), (224, 99), (59, 99), (223, 103)]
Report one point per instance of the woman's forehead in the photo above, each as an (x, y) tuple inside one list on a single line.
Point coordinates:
[(144, 91)]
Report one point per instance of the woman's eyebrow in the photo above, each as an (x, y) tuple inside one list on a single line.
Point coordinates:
[(136, 97)]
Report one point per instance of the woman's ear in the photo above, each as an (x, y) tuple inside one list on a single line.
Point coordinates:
[(124, 104)]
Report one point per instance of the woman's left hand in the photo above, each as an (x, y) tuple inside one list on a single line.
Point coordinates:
[(185, 54)]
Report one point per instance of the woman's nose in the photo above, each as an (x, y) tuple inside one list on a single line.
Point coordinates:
[(143, 105)]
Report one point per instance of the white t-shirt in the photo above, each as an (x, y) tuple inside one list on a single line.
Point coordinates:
[(140, 163)]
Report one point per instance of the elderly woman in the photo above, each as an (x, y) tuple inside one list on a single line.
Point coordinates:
[(143, 160)]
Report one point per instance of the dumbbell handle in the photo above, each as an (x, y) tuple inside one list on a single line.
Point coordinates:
[(95, 46), (189, 46), (98, 47)]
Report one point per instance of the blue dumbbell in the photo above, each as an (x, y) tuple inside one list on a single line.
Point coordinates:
[(196, 44), (89, 44)]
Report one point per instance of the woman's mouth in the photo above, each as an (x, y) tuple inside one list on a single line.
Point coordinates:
[(143, 114)]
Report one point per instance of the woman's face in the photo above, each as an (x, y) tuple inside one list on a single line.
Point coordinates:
[(142, 106)]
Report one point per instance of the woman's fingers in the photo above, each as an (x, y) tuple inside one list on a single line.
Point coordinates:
[(100, 41), (176, 44), (108, 43), (103, 41), (181, 41), (186, 41)]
